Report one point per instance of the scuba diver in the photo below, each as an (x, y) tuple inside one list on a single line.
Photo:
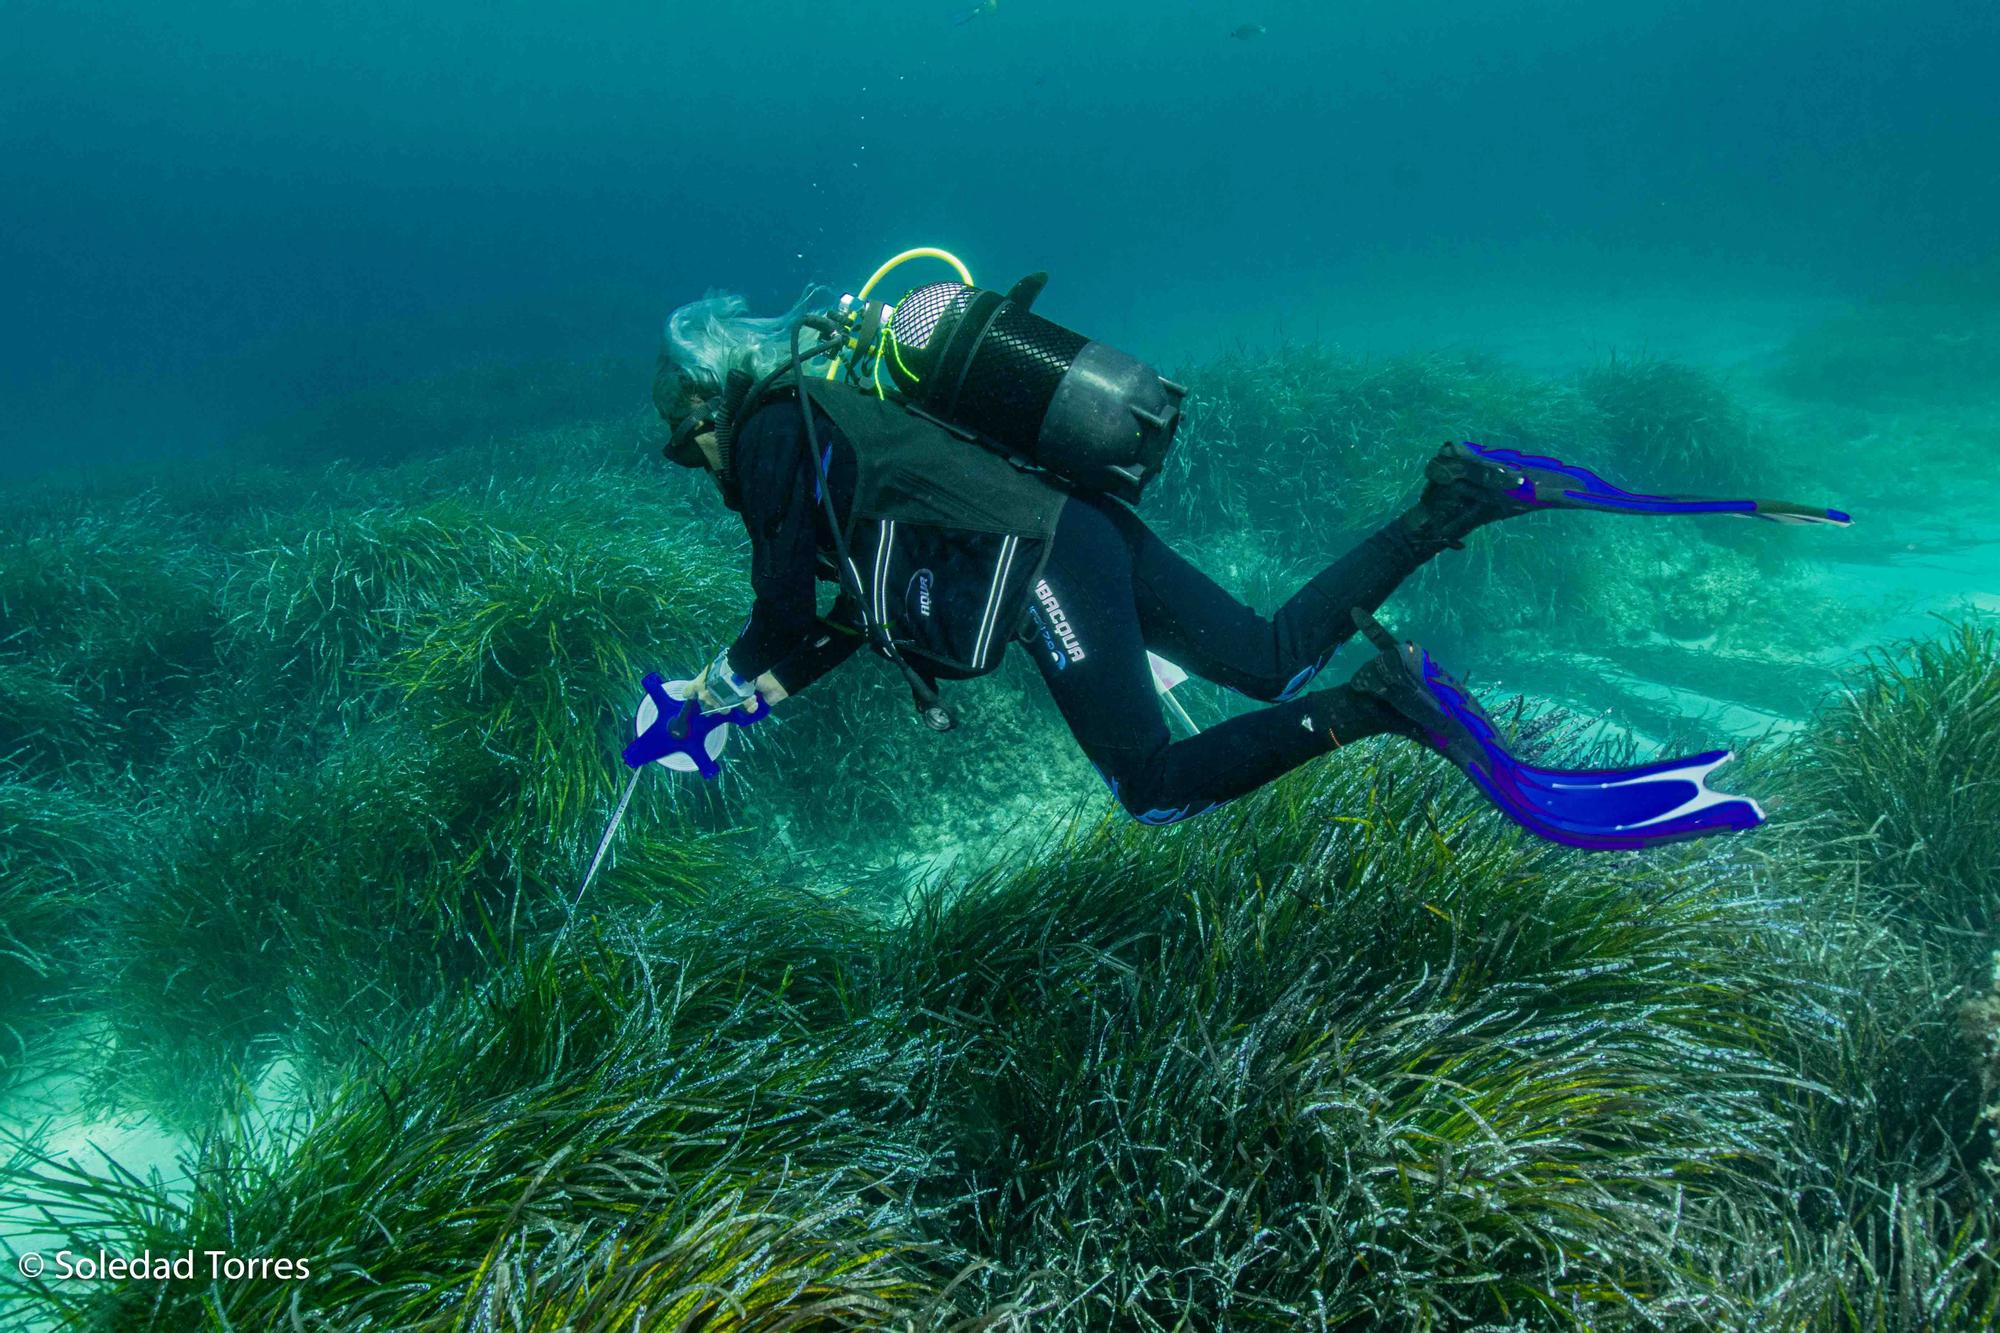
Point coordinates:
[(984, 497)]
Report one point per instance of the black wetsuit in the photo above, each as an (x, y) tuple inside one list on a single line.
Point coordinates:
[(1110, 591)]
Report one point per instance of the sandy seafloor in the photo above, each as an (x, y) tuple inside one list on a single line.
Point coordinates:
[(1897, 569)]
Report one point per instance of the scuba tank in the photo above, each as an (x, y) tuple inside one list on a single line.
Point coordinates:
[(990, 370)]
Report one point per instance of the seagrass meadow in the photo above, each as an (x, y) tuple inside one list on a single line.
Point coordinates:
[(303, 753)]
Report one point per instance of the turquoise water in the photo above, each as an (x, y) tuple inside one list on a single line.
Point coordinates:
[(290, 284), (226, 214)]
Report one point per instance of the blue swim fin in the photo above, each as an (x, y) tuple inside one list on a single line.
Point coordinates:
[(1533, 482), (1605, 809)]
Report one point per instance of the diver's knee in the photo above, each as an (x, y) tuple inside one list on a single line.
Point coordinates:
[(1165, 814), (1138, 795), (1277, 685)]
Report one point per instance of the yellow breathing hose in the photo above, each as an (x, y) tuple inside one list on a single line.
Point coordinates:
[(921, 252)]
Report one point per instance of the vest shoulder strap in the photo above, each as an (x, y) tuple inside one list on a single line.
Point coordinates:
[(914, 470)]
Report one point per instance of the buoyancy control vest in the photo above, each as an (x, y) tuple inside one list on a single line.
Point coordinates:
[(946, 537)]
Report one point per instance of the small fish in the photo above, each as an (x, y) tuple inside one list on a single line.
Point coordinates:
[(983, 7), (1247, 31)]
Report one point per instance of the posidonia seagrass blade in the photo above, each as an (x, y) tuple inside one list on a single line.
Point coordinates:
[(1345, 1054)]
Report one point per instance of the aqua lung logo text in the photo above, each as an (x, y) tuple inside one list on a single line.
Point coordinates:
[(1058, 622), (920, 592)]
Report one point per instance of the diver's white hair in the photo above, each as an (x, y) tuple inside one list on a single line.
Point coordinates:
[(707, 339)]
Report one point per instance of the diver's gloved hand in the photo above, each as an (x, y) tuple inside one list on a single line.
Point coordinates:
[(719, 687)]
